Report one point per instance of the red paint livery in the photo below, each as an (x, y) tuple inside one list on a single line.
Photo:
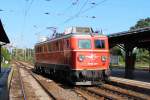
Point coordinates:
[(82, 57)]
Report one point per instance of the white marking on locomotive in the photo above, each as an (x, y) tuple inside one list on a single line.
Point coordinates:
[(92, 56)]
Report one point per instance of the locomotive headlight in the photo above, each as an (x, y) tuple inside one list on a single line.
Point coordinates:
[(103, 58), (81, 57)]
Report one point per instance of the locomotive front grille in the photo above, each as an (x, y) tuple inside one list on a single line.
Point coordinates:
[(88, 75)]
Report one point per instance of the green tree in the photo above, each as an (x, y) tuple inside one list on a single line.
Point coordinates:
[(26, 54), (142, 54), (6, 54), (116, 51), (141, 23)]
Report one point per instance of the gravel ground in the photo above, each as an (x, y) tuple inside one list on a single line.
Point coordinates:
[(62, 92), (58, 92), (15, 90), (32, 89)]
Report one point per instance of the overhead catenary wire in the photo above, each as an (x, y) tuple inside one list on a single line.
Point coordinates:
[(77, 15), (66, 9), (27, 8), (74, 3), (93, 6), (25, 13), (85, 3), (70, 6)]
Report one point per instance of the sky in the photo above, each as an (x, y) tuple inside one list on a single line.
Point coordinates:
[(26, 20)]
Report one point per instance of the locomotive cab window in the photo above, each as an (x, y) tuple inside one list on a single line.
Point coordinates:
[(67, 43), (99, 44), (84, 44)]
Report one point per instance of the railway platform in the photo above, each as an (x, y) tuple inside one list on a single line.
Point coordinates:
[(140, 82), (139, 75)]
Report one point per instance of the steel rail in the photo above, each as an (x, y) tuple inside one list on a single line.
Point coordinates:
[(102, 93), (32, 74), (105, 90), (21, 83), (125, 92), (80, 93), (86, 95)]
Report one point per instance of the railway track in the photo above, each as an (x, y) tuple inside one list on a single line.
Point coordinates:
[(113, 94), (124, 92), (21, 84), (81, 93), (27, 68), (87, 95), (102, 93), (16, 85), (44, 83), (138, 86), (105, 91)]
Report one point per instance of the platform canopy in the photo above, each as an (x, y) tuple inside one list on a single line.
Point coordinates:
[(128, 40), (137, 38), (3, 40), (3, 37)]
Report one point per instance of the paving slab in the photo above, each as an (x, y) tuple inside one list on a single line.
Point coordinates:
[(3, 84)]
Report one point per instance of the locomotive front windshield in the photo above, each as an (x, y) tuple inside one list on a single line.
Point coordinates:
[(84, 44), (99, 44)]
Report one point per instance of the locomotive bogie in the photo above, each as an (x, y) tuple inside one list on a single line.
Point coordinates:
[(75, 77)]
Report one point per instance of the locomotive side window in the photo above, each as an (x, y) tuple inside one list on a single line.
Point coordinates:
[(39, 49), (84, 44), (57, 46), (36, 50), (49, 47), (99, 44), (61, 45), (67, 44), (45, 48), (53, 46)]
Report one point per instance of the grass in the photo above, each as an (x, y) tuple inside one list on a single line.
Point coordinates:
[(144, 64), (5, 65), (137, 66)]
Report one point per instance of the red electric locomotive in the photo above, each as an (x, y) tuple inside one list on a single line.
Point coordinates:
[(78, 55)]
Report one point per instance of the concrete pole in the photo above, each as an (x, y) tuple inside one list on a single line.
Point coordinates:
[(16, 54), (0, 57), (129, 61), (28, 53), (149, 59), (25, 54)]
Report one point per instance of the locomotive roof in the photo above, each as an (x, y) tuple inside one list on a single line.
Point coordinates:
[(71, 35)]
